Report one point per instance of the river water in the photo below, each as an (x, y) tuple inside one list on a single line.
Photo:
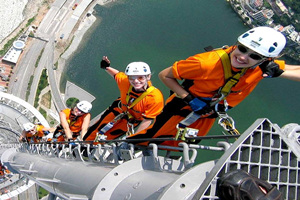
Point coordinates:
[(161, 32)]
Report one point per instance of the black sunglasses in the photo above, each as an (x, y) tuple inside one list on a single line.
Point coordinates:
[(244, 50)]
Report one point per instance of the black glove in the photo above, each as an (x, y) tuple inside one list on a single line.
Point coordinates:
[(271, 69), (104, 64)]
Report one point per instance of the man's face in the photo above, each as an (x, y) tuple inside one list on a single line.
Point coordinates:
[(77, 112)]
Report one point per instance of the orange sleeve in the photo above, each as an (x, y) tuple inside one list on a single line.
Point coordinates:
[(281, 63), (155, 104)]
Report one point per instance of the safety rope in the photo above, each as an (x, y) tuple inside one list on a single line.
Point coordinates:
[(128, 140)]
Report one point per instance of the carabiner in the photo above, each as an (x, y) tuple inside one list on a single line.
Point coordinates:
[(226, 122), (225, 106)]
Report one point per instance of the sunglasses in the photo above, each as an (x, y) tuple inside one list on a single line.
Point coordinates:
[(139, 78), (244, 50)]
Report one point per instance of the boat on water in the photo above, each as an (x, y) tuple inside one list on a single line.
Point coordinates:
[(264, 150)]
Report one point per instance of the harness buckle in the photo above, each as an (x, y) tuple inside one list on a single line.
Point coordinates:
[(100, 137), (184, 133)]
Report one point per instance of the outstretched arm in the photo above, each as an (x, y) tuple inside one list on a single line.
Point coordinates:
[(105, 64), (291, 72), (22, 136)]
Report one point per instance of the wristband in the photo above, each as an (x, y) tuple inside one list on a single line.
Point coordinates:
[(188, 98)]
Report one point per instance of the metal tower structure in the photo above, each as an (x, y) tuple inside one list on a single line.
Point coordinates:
[(85, 171)]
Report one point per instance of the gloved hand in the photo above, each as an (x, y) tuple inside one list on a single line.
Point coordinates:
[(195, 103), (199, 106), (104, 63), (71, 142), (270, 69)]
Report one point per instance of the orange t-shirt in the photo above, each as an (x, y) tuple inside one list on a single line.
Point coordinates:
[(75, 122), (39, 134), (148, 107), (206, 71)]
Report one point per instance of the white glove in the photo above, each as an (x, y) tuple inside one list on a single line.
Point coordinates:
[(49, 136)]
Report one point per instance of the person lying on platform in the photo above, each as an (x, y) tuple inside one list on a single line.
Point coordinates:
[(35, 133), (74, 122), (216, 80), (136, 108)]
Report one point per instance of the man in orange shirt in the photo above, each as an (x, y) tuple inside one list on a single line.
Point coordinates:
[(34, 133), (204, 80), (73, 122), (137, 107)]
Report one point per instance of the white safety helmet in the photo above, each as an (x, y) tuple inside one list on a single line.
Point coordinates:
[(137, 68), (84, 106), (264, 40), (28, 126)]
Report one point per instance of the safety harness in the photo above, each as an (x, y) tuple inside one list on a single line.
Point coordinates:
[(227, 123), (130, 126)]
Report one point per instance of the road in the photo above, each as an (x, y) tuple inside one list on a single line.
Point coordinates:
[(42, 46)]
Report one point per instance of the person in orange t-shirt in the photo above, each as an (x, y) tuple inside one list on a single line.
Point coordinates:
[(34, 133), (73, 122), (204, 76), (137, 107)]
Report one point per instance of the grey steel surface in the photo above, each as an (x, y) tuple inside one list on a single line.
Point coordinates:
[(262, 152), (95, 172)]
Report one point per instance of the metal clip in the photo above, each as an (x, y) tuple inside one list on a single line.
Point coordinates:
[(130, 129), (228, 124), (100, 137), (186, 133)]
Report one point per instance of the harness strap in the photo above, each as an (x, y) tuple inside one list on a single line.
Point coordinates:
[(121, 115), (150, 89), (226, 63), (230, 81)]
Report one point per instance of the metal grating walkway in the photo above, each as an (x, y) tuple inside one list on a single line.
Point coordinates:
[(262, 152)]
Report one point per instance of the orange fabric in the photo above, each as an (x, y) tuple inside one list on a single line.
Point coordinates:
[(148, 107), (75, 124), (206, 70), (117, 130), (207, 73), (36, 137)]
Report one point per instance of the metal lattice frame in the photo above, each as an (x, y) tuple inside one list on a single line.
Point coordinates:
[(262, 152)]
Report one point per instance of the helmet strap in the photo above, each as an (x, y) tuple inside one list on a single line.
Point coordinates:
[(263, 60)]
